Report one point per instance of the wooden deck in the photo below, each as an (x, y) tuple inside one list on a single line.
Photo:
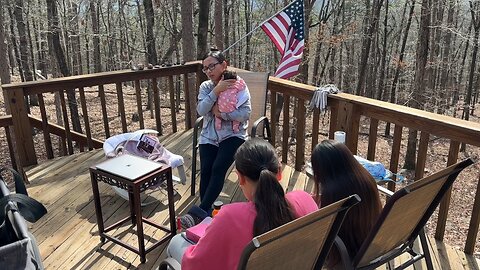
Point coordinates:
[(68, 236)]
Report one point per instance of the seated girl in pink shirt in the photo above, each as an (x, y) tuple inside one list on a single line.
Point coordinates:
[(227, 100), (236, 224)]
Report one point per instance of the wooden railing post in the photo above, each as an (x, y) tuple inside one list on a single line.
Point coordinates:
[(372, 139), (422, 155), (286, 128), (445, 203), (348, 120), (21, 127), (395, 155), (190, 116), (273, 119), (334, 109), (300, 147), (474, 222)]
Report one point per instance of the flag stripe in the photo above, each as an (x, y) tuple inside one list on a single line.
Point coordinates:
[(277, 30), (279, 43), (289, 64)]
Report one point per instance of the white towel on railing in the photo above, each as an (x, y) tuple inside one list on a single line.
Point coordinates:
[(319, 99)]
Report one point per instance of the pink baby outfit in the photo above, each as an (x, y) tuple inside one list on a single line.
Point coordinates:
[(231, 230), (227, 103)]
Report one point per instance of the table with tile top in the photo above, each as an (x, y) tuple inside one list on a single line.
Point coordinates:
[(134, 188)]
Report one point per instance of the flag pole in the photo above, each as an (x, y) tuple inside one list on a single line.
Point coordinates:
[(256, 27)]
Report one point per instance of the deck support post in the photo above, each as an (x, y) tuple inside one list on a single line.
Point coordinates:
[(15, 98)]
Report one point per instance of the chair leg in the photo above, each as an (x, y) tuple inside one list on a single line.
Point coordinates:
[(194, 170), (426, 250), (269, 132), (196, 128), (390, 265), (181, 174), (344, 256)]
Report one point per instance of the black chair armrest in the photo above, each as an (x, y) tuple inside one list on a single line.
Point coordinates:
[(346, 261), (197, 124), (266, 126), (196, 127), (385, 191), (169, 263)]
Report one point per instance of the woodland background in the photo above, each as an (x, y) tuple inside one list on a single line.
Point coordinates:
[(369, 47), (418, 53)]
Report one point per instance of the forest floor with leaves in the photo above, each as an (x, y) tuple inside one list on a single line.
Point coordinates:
[(464, 189)]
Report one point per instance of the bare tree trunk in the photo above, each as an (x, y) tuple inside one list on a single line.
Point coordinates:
[(75, 40), (97, 64), (248, 28), (462, 68), (475, 12), (13, 40), (226, 28), (420, 76), (22, 33), (30, 41), (303, 69), (400, 64), (204, 7), (4, 66), (372, 64), (189, 55), (432, 69), (446, 65), (4, 72), (11, 57), (372, 25), (383, 61), (323, 16), (54, 31), (218, 17), (87, 52), (150, 38), (40, 37)]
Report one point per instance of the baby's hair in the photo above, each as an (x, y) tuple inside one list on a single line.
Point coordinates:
[(229, 74), (215, 53)]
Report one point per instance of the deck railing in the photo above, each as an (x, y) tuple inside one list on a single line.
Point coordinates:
[(359, 117)]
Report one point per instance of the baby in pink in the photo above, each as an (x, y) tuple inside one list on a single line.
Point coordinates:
[(227, 100)]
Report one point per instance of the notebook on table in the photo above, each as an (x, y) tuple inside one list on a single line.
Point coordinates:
[(128, 166)]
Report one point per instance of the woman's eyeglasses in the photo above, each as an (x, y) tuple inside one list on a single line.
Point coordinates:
[(210, 67)]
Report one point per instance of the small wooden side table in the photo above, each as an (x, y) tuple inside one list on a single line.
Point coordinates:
[(134, 189)]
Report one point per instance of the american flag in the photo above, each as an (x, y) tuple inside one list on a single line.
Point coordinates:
[(286, 30)]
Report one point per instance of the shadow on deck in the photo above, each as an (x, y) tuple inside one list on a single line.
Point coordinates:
[(68, 235)]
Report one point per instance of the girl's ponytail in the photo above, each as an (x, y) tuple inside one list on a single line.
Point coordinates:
[(256, 159), (270, 203)]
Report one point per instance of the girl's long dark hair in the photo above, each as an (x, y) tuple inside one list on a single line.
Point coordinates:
[(256, 159), (337, 174)]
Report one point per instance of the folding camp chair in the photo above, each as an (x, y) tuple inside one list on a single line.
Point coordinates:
[(310, 237), (257, 85), (401, 221)]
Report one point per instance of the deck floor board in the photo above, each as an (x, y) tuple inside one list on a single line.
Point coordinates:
[(68, 234)]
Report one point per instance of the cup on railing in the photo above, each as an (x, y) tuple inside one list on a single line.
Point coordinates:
[(339, 136)]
